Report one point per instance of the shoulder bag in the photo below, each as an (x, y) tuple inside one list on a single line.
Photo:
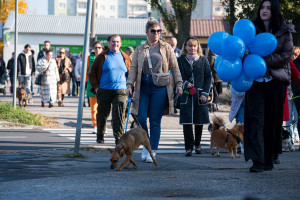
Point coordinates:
[(159, 79), (38, 79)]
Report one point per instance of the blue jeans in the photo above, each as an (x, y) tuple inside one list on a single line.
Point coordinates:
[(240, 115), (152, 99), (27, 82), (293, 115), (73, 85)]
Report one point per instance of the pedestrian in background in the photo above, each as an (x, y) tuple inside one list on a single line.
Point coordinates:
[(11, 68), (108, 80), (264, 100), (33, 74), (196, 77), (2, 68), (42, 53), (26, 68), (77, 72), (129, 52), (72, 74), (149, 99), (97, 49), (64, 69), (48, 87), (173, 43)]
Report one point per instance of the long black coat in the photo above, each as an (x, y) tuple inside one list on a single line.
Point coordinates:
[(199, 74)]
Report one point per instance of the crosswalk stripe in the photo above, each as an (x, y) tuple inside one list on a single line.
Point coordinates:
[(171, 140)]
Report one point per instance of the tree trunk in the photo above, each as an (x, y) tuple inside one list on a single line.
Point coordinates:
[(184, 29)]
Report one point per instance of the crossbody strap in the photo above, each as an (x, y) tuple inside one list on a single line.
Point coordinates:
[(149, 60)]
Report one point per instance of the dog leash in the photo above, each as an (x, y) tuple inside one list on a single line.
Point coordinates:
[(128, 105)]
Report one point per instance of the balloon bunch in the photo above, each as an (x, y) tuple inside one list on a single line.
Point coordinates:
[(231, 50)]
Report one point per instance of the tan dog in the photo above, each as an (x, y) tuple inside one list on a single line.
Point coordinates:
[(22, 95), (225, 139), (130, 141)]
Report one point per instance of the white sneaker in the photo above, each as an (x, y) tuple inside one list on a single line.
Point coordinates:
[(144, 154), (94, 130), (149, 159)]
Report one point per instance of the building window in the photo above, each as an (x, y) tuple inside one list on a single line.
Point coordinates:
[(217, 8), (62, 5), (82, 5), (102, 7), (112, 8)]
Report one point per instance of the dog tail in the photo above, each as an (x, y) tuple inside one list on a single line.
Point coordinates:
[(217, 123), (136, 121)]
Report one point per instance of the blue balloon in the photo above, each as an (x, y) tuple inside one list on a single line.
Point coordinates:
[(242, 83), (217, 61), (233, 47), (229, 69), (264, 44), (215, 41), (254, 66), (245, 29)]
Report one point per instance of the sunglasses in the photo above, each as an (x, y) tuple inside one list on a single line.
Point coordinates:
[(61, 52), (155, 31), (97, 47)]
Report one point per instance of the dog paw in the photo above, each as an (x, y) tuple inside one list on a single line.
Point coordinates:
[(119, 169), (237, 156), (135, 167)]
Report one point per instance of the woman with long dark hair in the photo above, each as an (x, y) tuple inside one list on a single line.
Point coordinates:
[(264, 101)]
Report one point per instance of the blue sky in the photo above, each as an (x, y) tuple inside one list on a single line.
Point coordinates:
[(40, 6)]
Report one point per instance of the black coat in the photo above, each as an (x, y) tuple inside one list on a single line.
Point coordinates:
[(11, 66), (2, 67), (22, 63), (192, 111)]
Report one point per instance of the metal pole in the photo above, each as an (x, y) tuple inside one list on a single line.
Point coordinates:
[(15, 56), (82, 80), (93, 34)]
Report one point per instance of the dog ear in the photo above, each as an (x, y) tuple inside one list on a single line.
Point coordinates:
[(110, 150)]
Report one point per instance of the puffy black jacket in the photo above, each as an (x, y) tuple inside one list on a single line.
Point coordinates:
[(22, 63)]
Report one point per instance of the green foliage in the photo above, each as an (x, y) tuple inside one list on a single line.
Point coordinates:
[(18, 115), (248, 9)]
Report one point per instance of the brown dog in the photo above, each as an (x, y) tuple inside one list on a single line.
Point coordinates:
[(129, 142), (22, 95), (225, 139)]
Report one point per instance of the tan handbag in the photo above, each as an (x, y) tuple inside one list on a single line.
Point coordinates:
[(159, 79)]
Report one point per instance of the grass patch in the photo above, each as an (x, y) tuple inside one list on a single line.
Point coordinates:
[(19, 115), (71, 155)]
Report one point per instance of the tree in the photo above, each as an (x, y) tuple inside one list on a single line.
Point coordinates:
[(177, 21), (7, 5), (231, 10), (248, 9)]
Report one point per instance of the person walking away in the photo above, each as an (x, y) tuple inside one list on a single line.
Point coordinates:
[(64, 69), (264, 100), (10, 68), (72, 74), (48, 87), (108, 80), (2, 68), (77, 72), (196, 77), (98, 48), (26, 67), (150, 99)]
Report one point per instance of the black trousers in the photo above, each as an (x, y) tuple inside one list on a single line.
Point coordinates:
[(263, 120), (296, 94), (189, 136)]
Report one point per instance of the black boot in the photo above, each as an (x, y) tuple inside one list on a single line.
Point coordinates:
[(256, 167), (100, 139)]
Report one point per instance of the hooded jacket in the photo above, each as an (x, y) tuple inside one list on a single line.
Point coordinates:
[(21, 63)]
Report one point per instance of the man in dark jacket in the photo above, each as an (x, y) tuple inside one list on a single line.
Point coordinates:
[(2, 67), (11, 67), (26, 67), (72, 74), (42, 53)]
